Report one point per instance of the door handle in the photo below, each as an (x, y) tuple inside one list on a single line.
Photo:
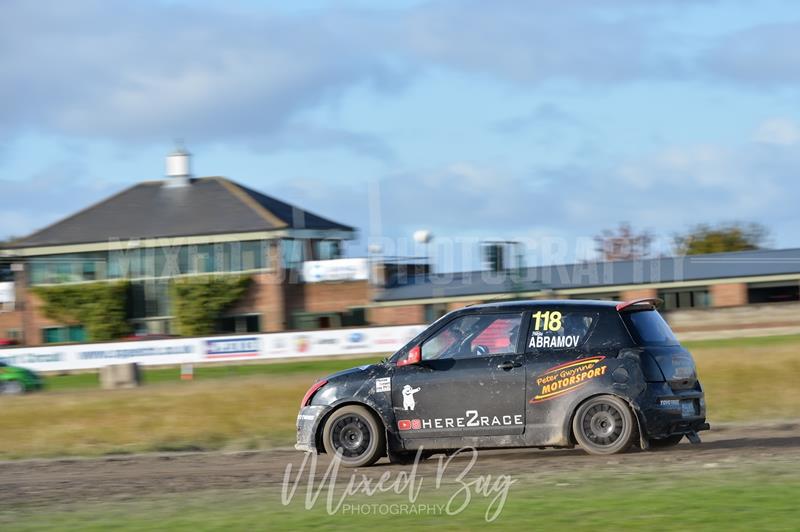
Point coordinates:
[(508, 365)]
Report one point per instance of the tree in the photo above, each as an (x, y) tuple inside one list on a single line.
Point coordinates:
[(623, 243), (7, 241), (735, 236)]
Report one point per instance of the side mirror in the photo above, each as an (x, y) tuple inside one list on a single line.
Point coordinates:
[(414, 356)]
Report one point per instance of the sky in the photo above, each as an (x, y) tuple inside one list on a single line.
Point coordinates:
[(531, 120)]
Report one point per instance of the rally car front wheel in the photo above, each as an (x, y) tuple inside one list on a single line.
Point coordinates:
[(604, 425), (356, 435)]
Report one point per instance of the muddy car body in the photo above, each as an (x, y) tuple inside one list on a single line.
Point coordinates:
[(605, 375)]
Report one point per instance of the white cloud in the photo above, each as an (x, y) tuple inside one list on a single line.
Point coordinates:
[(154, 71), (781, 131)]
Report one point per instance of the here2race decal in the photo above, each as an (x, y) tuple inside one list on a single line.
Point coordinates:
[(471, 418)]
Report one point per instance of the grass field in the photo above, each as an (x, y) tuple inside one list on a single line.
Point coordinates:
[(738, 497), (254, 406)]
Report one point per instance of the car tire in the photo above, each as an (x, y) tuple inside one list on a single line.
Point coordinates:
[(604, 425), (353, 432), (12, 388), (663, 443)]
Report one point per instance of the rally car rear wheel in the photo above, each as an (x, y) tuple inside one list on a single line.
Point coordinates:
[(604, 425), (355, 435)]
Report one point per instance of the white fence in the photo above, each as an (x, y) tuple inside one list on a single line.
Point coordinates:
[(214, 349)]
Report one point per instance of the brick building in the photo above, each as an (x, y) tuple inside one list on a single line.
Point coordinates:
[(691, 282), (156, 232)]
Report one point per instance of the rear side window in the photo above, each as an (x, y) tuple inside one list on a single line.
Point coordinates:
[(649, 328), (560, 329)]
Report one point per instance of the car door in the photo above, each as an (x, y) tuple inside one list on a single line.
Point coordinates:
[(470, 381), (564, 354)]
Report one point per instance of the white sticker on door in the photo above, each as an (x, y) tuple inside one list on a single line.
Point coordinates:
[(383, 385)]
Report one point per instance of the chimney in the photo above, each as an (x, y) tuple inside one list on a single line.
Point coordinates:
[(179, 173)]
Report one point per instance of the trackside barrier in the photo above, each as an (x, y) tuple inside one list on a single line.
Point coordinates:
[(289, 345)]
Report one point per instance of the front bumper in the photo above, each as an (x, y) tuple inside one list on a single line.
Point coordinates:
[(308, 425)]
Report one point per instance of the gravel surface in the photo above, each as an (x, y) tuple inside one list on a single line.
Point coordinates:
[(128, 477)]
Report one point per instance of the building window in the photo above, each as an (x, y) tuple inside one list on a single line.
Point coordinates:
[(60, 335), (253, 254), (327, 249), (14, 334), (773, 292), (203, 259), (434, 311), (250, 323), (156, 262), (293, 253), (150, 299), (682, 299)]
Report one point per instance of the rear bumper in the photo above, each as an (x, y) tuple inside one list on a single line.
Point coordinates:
[(667, 412), (308, 424)]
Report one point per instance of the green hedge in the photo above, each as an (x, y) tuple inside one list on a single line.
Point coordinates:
[(198, 302), (100, 307)]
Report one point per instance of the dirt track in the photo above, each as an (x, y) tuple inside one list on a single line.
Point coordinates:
[(115, 478)]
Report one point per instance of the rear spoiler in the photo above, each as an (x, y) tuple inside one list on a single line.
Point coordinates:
[(653, 302)]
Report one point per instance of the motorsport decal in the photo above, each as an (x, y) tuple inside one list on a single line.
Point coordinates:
[(408, 397), (471, 418), (567, 377), (383, 384)]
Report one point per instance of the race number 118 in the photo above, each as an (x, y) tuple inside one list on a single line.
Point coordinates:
[(548, 321)]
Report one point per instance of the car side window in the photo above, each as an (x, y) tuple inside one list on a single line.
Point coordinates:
[(560, 329), (474, 335)]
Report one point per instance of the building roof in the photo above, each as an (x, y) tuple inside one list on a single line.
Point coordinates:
[(596, 275), (207, 206)]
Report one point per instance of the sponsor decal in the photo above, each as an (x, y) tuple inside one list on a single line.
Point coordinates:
[(540, 340), (408, 397), (470, 419), (567, 377), (33, 358), (328, 341), (232, 347), (356, 338), (301, 343), (388, 340), (135, 352), (278, 345), (383, 384)]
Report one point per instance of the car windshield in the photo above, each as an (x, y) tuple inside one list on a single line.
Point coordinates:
[(649, 328)]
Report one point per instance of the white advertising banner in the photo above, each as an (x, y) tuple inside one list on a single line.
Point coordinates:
[(7, 294), (214, 349), (318, 271)]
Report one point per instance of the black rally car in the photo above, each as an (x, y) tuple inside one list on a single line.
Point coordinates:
[(602, 374)]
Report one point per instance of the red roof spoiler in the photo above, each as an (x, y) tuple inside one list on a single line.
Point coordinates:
[(653, 301)]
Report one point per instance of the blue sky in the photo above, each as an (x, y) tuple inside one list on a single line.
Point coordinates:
[(530, 119)]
